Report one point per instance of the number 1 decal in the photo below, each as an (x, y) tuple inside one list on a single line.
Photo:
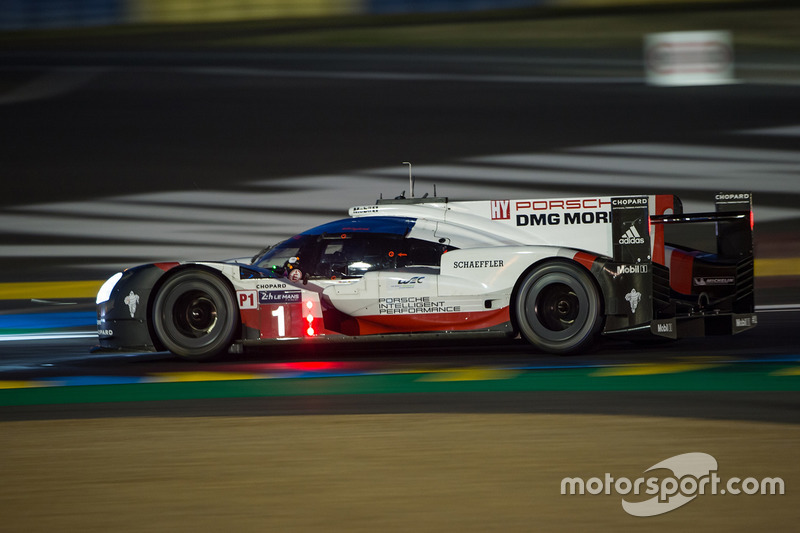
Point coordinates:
[(279, 312)]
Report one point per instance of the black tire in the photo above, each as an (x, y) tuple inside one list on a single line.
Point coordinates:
[(558, 307), (195, 315)]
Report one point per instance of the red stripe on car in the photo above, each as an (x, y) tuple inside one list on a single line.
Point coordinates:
[(464, 321), (663, 202), (680, 271), (166, 266), (585, 259)]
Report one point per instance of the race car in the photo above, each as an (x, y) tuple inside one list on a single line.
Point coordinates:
[(558, 272)]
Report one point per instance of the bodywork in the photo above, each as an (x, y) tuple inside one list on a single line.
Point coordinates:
[(438, 267)]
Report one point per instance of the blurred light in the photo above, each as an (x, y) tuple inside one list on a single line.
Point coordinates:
[(312, 366)]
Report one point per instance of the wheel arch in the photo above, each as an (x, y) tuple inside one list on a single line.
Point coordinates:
[(515, 294), (548, 260)]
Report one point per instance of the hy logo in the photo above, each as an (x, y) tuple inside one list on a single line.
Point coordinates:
[(501, 209), (631, 237), (132, 300)]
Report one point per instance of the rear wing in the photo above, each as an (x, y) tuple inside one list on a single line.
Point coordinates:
[(732, 218), (685, 289)]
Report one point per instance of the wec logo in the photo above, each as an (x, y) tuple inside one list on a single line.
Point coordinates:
[(693, 474)]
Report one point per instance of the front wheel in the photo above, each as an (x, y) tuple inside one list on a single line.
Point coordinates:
[(558, 308), (195, 315)]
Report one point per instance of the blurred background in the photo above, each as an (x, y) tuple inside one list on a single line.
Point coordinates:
[(141, 130), (28, 14)]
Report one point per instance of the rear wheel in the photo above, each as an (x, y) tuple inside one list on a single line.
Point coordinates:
[(195, 315), (558, 308)]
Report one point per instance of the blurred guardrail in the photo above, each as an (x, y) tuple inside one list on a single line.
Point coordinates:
[(39, 14), (29, 14)]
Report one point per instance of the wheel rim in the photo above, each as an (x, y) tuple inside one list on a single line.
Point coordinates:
[(194, 314), (558, 306)]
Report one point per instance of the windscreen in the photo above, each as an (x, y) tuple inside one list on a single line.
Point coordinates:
[(288, 252)]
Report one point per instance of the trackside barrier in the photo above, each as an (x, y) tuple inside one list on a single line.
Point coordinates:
[(42, 14), (178, 11), (444, 6)]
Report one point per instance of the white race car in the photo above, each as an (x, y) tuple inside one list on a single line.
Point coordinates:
[(557, 271)]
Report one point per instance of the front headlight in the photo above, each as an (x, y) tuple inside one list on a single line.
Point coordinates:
[(105, 291)]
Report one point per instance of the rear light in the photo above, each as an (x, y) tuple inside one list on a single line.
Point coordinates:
[(310, 331), (752, 220)]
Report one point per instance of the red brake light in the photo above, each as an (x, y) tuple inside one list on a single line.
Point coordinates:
[(310, 331)]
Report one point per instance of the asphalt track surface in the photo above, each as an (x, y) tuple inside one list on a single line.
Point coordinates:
[(93, 124), (439, 376)]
